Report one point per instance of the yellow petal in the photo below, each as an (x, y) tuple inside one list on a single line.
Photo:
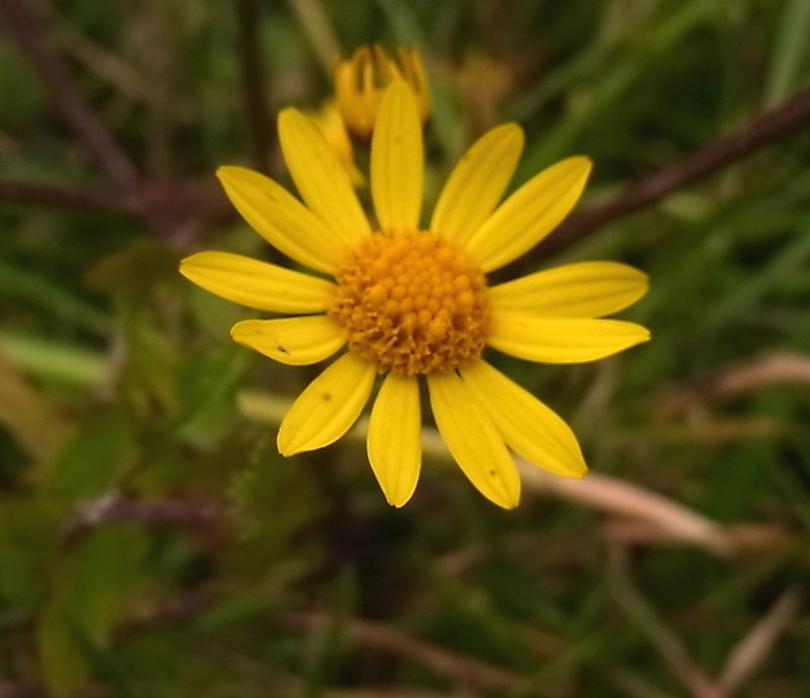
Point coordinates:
[(473, 440), (257, 284), (394, 433), (328, 407), (295, 341), (529, 428), (321, 179), (397, 160), (281, 219), (562, 340), (585, 289), (477, 183), (530, 214)]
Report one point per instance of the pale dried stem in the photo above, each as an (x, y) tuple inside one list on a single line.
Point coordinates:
[(744, 659), (383, 637), (633, 686), (738, 537), (318, 28), (743, 378), (611, 494), (668, 519), (463, 672), (779, 367), (667, 644), (751, 651)]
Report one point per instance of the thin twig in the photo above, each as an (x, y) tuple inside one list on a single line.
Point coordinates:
[(634, 686), (751, 651), (741, 378), (371, 634), (739, 537), (667, 644), (319, 30), (249, 51), (769, 126), (779, 367), (385, 637), (26, 29), (667, 517), (23, 689), (68, 196), (193, 202), (628, 500), (112, 68), (187, 511), (174, 611)]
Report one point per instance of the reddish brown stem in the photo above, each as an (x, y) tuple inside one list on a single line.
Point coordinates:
[(43, 194), (769, 126), (173, 202), (27, 31), (189, 511)]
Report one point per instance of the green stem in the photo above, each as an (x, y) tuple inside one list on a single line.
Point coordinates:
[(53, 361)]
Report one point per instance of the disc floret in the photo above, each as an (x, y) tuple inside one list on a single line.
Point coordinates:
[(412, 303)]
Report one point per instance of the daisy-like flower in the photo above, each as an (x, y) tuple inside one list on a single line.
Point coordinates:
[(361, 81), (412, 304)]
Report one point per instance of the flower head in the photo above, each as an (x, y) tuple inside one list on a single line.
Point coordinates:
[(410, 301), (361, 81)]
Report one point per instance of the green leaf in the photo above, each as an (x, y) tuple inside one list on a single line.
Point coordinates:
[(95, 457), (92, 582)]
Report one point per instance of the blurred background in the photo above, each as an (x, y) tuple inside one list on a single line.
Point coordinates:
[(153, 542)]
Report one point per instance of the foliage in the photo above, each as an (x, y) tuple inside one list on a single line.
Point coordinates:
[(153, 542)]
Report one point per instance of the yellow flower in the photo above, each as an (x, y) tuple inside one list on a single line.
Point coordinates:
[(409, 301), (360, 83), (330, 122)]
